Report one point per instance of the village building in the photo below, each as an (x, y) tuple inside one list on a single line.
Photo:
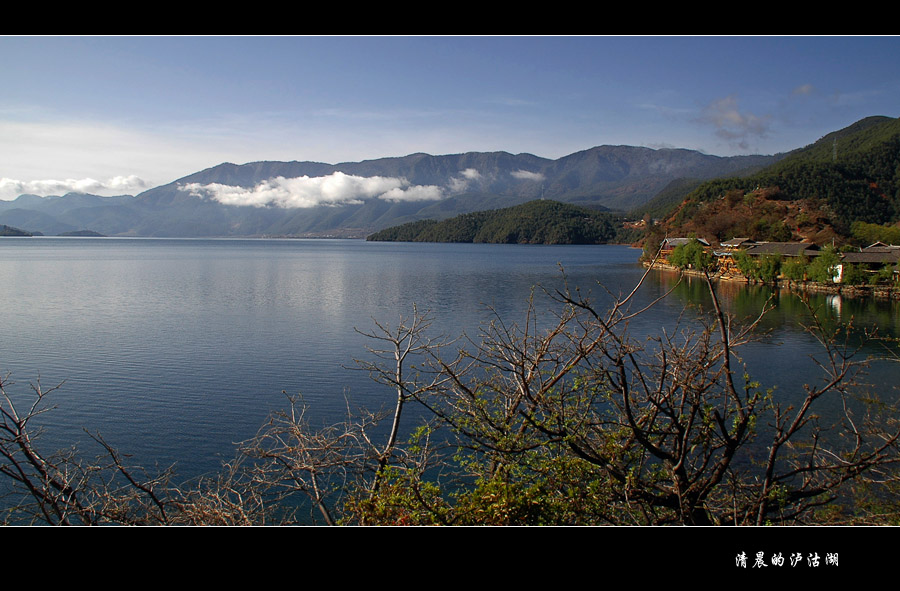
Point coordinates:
[(785, 249), (872, 258), (725, 261), (736, 243), (670, 244)]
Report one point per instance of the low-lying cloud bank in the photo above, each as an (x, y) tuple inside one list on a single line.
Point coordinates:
[(527, 175), (11, 188), (300, 192), (337, 189), (304, 191)]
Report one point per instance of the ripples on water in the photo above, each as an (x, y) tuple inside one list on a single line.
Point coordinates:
[(176, 349)]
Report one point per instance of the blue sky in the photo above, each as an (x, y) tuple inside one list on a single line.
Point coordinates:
[(112, 115)]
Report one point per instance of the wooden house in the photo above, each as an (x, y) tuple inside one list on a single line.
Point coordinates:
[(873, 258), (785, 249), (736, 244), (669, 244)]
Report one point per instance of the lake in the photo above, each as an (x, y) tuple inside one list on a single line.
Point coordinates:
[(176, 349)]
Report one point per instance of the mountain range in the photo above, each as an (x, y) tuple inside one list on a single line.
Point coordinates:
[(354, 199)]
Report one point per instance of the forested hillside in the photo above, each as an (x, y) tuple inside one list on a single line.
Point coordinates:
[(851, 175), (535, 222), (10, 231)]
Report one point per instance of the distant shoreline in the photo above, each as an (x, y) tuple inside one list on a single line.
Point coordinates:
[(852, 291)]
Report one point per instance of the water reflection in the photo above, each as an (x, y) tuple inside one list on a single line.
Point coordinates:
[(788, 352), (177, 349), (791, 310)]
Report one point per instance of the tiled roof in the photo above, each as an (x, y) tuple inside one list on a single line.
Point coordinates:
[(873, 255), (789, 249), (736, 242), (673, 242)]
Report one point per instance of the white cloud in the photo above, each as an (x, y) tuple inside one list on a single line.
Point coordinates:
[(415, 193), (304, 192), (466, 178), (11, 188), (527, 175), (732, 124)]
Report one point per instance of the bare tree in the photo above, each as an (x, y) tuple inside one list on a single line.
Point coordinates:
[(564, 418), (668, 432), (289, 462), (399, 346), (62, 488)]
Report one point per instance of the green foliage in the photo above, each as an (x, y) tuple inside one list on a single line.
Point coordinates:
[(875, 503), (541, 488), (770, 231), (652, 241), (854, 275), (403, 498), (692, 256), (867, 234), (625, 235), (883, 275), (405, 232), (854, 172), (535, 222), (769, 267), (823, 267), (546, 489), (795, 268), (765, 268), (745, 263)]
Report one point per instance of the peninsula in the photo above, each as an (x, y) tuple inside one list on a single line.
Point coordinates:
[(535, 222)]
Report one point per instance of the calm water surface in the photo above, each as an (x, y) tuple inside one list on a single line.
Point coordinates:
[(176, 349)]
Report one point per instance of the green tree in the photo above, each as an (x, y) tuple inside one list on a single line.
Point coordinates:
[(746, 264), (795, 268), (867, 234), (824, 267), (884, 275), (854, 275), (692, 255), (769, 267)]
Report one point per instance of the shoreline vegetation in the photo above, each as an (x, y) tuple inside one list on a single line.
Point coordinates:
[(873, 271), (855, 291), (535, 222)]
